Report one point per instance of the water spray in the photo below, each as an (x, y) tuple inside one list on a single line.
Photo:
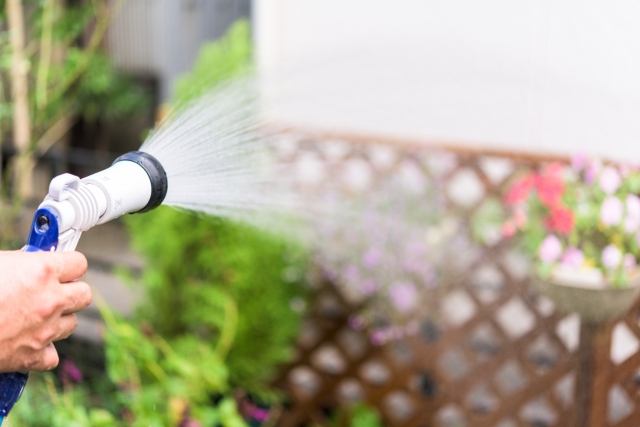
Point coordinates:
[(135, 183)]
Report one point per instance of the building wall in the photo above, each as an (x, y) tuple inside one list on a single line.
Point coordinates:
[(544, 76)]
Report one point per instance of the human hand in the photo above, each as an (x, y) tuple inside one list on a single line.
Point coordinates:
[(37, 300)]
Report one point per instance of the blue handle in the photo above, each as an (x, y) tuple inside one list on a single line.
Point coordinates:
[(43, 237)]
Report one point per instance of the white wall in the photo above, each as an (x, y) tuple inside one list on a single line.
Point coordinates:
[(550, 76)]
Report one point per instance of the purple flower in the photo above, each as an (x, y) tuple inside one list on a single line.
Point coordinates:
[(579, 161), (356, 322), (610, 180), (591, 172), (68, 372), (573, 257), (611, 211), (260, 414), (550, 249), (403, 295), (371, 258), (629, 262), (611, 257), (351, 273), (378, 337)]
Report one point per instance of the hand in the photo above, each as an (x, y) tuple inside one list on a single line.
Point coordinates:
[(37, 300)]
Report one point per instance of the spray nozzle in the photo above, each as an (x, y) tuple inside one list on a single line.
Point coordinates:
[(135, 182)]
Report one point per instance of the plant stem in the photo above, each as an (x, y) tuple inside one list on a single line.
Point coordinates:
[(46, 47), (19, 91)]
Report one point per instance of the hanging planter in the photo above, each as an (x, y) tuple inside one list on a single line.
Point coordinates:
[(580, 226), (586, 292)]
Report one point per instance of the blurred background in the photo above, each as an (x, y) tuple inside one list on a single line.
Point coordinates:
[(423, 113)]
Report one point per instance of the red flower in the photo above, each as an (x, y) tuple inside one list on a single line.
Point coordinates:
[(519, 190), (550, 188), (561, 220)]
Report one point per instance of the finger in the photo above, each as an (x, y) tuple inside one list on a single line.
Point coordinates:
[(75, 296), (65, 327), (46, 360), (71, 265)]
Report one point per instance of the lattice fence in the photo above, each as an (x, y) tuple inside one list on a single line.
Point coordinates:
[(499, 355)]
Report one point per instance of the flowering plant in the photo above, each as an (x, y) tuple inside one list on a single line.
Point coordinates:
[(583, 216), (390, 258)]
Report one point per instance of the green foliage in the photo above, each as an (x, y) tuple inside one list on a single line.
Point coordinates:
[(357, 415), (65, 79), (43, 405), (195, 265), (218, 61), (153, 384)]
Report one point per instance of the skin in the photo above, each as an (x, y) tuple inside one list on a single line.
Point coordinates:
[(39, 295)]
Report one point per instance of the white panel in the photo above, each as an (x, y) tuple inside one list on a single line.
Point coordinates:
[(545, 75)]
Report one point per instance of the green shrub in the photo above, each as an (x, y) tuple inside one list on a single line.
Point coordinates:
[(196, 264)]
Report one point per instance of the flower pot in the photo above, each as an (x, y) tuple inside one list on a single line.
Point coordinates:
[(587, 293)]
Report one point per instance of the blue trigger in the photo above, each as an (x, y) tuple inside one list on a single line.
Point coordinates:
[(44, 232)]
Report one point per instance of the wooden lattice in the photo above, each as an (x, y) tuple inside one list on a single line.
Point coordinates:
[(502, 357)]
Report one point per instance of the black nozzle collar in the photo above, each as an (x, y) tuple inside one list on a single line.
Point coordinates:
[(157, 176)]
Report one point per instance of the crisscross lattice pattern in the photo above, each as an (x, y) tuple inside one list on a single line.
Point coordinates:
[(498, 355)]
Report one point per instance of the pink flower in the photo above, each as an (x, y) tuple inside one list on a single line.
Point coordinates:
[(550, 249), (351, 273), (610, 180), (508, 228), (371, 258), (579, 161), (633, 206), (611, 211), (519, 218), (403, 295), (561, 220), (519, 190), (632, 220), (573, 257), (550, 186), (631, 224), (378, 337), (611, 257), (629, 262)]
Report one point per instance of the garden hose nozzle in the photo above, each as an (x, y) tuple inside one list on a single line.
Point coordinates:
[(136, 182)]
